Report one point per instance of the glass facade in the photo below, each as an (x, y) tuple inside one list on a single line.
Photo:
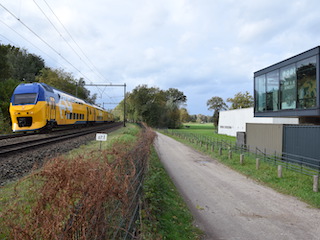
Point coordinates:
[(260, 92), (289, 87), (273, 90), (307, 83)]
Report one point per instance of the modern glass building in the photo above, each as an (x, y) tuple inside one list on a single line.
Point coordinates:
[(290, 88)]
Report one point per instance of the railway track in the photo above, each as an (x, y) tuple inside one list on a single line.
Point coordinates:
[(22, 145), (21, 155), (27, 134)]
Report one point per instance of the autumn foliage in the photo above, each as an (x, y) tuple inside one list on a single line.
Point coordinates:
[(87, 197)]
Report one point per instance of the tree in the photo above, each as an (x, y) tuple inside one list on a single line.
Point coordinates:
[(177, 97), (23, 65), (6, 89), (202, 118), (4, 65), (64, 81), (216, 104), (156, 107), (184, 115), (241, 100)]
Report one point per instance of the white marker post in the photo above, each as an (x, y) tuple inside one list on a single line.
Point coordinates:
[(102, 137)]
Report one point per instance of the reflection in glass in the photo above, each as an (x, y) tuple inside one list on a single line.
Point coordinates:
[(306, 83), (273, 90), (260, 92), (288, 79)]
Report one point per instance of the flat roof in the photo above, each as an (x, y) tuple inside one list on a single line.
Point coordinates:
[(296, 58)]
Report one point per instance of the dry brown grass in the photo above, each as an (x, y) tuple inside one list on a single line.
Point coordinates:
[(82, 198)]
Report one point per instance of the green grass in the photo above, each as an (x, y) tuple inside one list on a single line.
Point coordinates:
[(125, 135), (166, 215), (292, 183), (205, 130)]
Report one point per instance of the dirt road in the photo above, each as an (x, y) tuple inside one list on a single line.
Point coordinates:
[(227, 205)]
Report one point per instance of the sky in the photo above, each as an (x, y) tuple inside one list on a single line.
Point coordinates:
[(204, 48)]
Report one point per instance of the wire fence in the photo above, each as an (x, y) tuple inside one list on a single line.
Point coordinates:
[(301, 164), (95, 196)]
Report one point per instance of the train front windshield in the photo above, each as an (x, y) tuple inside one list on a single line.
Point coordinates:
[(25, 98)]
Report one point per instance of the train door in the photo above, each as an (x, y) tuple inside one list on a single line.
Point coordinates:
[(52, 109), (87, 119)]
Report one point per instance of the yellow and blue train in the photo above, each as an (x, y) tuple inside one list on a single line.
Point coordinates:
[(38, 106)]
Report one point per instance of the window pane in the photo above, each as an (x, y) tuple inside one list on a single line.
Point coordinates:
[(260, 91), (26, 98), (273, 90), (288, 80), (307, 84)]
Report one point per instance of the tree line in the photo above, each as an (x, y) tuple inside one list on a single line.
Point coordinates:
[(156, 107), (165, 108), (18, 66), (240, 100)]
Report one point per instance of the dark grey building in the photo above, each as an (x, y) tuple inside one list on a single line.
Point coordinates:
[(290, 88)]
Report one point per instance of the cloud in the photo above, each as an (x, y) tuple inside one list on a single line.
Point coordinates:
[(204, 48)]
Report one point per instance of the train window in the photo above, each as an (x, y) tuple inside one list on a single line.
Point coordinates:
[(26, 98), (47, 87)]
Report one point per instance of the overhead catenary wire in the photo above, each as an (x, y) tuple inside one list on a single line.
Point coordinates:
[(83, 53), (113, 100), (60, 34), (45, 42), (27, 40)]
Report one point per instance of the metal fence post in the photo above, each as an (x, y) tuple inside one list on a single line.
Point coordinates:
[(279, 171), (257, 163), (316, 183), (241, 159)]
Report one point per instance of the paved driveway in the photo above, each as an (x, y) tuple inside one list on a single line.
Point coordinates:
[(227, 205)]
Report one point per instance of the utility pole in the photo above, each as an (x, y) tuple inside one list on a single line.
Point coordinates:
[(124, 100)]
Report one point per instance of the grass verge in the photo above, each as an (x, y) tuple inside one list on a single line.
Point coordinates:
[(292, 183), (165, 215)]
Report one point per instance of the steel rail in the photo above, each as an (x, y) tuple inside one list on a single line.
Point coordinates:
[(22, 146)]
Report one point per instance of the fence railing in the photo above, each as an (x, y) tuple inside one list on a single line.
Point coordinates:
[(301, 164), (123, 212)]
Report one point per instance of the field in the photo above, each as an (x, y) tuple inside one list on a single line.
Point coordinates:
[(292, 183), (204, 129)]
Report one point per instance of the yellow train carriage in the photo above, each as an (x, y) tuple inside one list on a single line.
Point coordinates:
[(35, 106), (28, 117), (70, 110), (30, 108)]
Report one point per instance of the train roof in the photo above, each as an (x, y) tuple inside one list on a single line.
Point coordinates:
[(34, 87)]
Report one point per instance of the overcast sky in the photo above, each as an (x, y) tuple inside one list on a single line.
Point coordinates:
[(204, 48)]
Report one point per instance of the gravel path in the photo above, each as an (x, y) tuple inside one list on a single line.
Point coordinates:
[(227, 205)]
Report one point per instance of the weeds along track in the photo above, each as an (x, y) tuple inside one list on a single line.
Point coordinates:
[(20, 155), (11, 139), (94, 196)]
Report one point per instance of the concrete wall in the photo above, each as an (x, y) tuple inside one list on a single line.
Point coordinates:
[(265, 137), (233, 121)]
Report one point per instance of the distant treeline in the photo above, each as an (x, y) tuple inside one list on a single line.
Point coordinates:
[(158, 108)]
